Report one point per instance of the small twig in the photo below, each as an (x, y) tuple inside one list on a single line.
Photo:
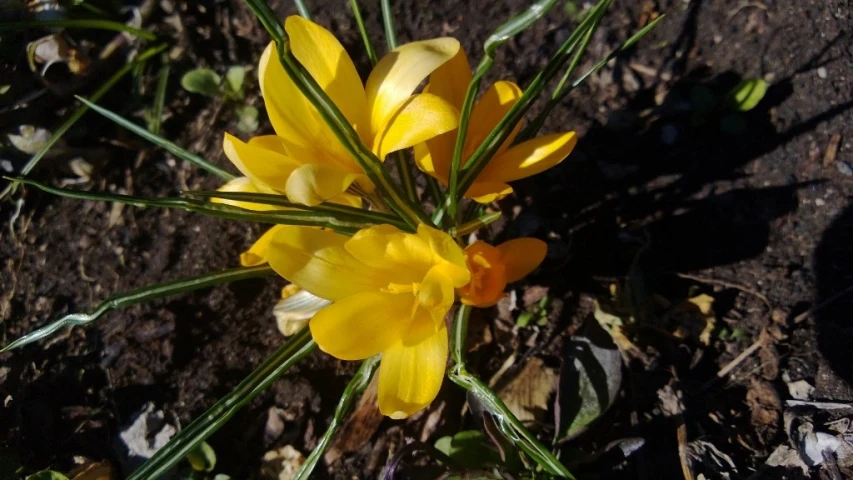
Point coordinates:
[(744, 6), (726, 284), (763, 339), (805, 315)]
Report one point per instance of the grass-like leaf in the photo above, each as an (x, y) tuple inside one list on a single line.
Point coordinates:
[(159, 141), (362, 30), (340, 223), (156, 118), (140, 295), (280, 201), (388, 23), (295, 349), (355, 387), (97, 24), (302, 9), (502, 130), (79, 112)]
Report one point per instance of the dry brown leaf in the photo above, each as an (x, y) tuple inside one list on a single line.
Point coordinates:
[(92, 471), (528, 393)]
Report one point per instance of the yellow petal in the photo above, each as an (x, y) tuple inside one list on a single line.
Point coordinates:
[(488, 192), (399, 73), (317, 261), (257, 253), (362, 325), (450, 81), (436, 293), (521, 256), (404, 255), (418, 119), (294, 119), (410, 376), (488, 112), (314, 184), (242, 185), (444, 247), (530, 157), (326, 60), (262, 165), (434, 156)]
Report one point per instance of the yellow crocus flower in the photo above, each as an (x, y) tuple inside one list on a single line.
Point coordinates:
[(304, 159), (450, 82), (390, 291), (492, 268)]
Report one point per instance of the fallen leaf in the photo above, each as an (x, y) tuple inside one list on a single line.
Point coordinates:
[(528, 393), (31, 139), (282, 464)]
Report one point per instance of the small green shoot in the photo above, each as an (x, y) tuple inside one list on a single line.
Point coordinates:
[(203, 458), (205, 81), (47, 475), (537, 314), (747, 94)]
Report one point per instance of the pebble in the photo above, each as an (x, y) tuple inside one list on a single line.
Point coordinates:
[(819, 202), (6, 165), (821, 72), (844, 168)]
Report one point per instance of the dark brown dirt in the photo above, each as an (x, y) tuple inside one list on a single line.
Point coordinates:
[(764, 209)]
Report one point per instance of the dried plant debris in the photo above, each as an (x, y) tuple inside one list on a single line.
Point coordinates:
[(810, 446)]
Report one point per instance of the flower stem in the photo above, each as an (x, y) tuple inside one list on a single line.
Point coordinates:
[(355, 387), (506, 420)]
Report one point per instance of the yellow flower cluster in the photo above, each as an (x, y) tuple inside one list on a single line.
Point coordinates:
[(390, 290)]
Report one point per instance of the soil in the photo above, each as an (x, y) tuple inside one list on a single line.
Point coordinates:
[(745, 207)]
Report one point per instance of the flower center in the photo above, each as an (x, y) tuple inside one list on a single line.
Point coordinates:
[(477, 265), (412, 288)]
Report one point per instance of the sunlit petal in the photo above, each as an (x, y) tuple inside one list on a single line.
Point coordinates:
[(418, 119), (362, 325), (436, 293), (488, 112), (257, 253), (326, 60), (262, 165), (399, 73), (529, 158), (521, 256), (317, 261), (447, 250), (386, 247), (450, 81), (410, 376), (488, 192), (433, 157), (292, 116), (314, 184)]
